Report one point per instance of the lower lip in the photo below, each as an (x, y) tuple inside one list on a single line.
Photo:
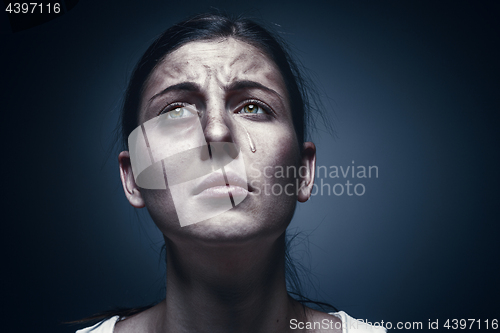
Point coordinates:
[(222, 192)]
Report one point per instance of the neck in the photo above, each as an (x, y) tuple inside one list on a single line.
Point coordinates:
[(227, 289)]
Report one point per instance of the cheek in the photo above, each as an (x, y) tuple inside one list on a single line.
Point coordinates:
[(275, 167), (161, 207), (277, 148)]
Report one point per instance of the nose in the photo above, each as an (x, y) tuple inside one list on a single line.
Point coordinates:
[(218, 128), (217, 125)]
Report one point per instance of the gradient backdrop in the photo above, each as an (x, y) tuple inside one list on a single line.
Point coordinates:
[(412, 87)]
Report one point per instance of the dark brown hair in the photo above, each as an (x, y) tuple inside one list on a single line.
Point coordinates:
[(215, 26), (302, 98)]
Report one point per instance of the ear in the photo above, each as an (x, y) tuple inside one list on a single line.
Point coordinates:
[(307, 178), (130, 188)]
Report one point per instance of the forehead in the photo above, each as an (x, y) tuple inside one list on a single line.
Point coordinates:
[(219, 62)]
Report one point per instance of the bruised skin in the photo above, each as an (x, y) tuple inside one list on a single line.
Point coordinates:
[(213, 69), (228, 270)]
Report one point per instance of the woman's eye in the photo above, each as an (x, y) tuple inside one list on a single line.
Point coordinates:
[(252, 109), (179, 112)]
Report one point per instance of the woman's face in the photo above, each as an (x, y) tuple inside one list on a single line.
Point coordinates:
[(224, 91)]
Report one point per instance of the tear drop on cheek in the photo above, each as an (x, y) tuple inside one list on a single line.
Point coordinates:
[(250, 141)]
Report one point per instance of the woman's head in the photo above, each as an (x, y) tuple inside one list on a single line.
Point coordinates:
[(220, 81), (216, 27)]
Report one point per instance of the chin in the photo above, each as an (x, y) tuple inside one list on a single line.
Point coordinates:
[(233, 227)]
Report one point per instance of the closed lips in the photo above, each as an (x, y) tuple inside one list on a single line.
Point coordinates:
[(216, 179)]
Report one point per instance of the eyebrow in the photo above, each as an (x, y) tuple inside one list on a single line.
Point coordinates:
[(183, 86), (246, 84), (194, 87)]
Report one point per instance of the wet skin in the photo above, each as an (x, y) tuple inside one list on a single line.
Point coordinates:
[(225, 80), (228, 269)]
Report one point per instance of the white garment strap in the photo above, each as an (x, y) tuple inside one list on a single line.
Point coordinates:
[(106, 326)]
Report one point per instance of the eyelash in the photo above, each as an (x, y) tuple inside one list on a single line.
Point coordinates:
[(171, 107), (266, 108)]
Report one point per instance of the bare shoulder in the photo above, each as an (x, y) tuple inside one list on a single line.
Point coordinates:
[(145, 321), (321, 322)]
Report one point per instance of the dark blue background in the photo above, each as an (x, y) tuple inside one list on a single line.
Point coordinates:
[(412, 88)]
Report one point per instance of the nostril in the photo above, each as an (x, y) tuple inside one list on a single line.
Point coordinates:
[(209, 148), (205, 152)]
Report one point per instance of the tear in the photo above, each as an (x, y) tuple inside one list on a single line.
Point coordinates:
[(250, 141)]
